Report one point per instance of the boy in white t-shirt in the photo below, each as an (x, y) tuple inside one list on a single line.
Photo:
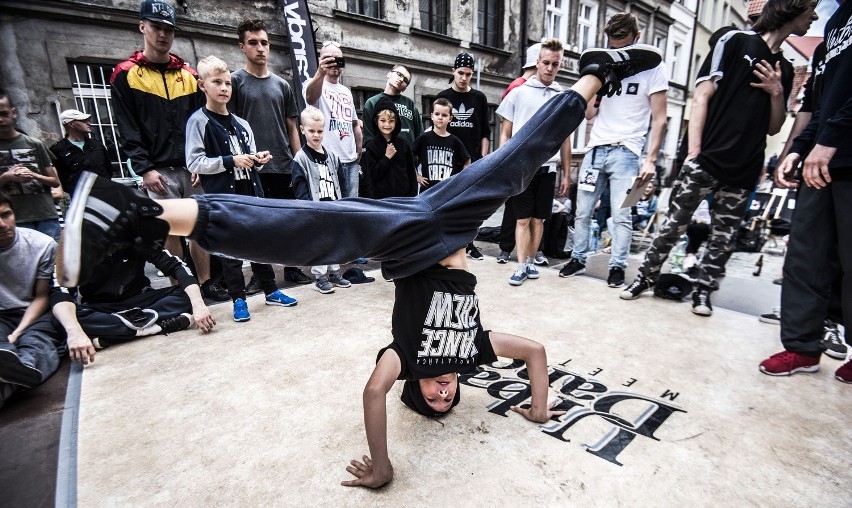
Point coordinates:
[(614, 152)]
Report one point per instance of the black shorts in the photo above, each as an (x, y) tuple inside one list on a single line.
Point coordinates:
[(537, 200)]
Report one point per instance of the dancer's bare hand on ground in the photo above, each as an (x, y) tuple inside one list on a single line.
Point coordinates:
[(80, 348), (770, 77), (541, 415), (367, 474), (815, 169), (785, 173)]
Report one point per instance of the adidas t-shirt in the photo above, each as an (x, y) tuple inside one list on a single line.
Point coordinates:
[(470, 119), (734, 137)]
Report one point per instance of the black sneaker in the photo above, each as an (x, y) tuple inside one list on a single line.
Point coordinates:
[(176, 323), (253, 287), (572, 267), (16, 372), (136, 318), (701, 302), (296, 276), (105, 216), (214, 291), (613, 65), (639, 285), (833, 340), (474, 253), (616, 277), (773, 318)]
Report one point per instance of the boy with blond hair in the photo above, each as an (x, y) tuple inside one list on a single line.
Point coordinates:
[(315, 178), (220, 148)]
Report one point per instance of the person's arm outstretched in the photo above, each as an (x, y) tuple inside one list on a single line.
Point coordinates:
[(534, 355), (377, 471)]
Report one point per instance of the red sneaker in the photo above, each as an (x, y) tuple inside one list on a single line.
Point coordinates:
[(786, 363), (844, 373)]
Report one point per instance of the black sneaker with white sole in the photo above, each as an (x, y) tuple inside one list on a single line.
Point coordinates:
[(176, 323), (16, 372), (105, 216), (474, 253), (639, 285), (616, 277), (572, 268), (701, 302), (613, 65), (833, 340)]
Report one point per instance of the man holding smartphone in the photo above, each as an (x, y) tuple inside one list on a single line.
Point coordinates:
[(342, 128)]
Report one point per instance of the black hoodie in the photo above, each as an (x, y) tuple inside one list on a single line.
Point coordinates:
[(388, 177)]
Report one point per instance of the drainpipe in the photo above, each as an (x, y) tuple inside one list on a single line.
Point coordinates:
[(522, 43)]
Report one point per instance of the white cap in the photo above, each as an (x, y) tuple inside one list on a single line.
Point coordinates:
[(532, 55), (69, 115)]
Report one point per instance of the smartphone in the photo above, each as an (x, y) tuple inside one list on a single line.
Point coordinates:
[(339, 62)]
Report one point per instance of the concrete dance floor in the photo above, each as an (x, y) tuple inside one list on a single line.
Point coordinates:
[(665, 409)]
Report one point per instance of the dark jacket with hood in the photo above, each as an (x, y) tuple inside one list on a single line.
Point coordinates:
[(388, 177)]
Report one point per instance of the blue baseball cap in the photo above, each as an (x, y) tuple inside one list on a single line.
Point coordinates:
[(157, 11)]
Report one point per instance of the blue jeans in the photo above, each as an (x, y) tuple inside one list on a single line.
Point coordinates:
[(349, 179), (616, 165), (38, 346), (49, 227), (405, 234)]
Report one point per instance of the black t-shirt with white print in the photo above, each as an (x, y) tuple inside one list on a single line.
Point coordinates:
[(440, 156), (326, 181), (242, 178), (733, 141), (435, 325), (470, 119)]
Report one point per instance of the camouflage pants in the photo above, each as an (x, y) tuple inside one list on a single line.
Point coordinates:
[(729, 206)]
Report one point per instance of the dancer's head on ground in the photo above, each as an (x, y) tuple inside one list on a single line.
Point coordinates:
[(313, 127), (777, 13), (549, 61), (433, 396), (622, 30)]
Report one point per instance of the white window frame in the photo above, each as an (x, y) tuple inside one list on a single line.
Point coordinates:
[(551, 12), (591, 24), (86, 91)]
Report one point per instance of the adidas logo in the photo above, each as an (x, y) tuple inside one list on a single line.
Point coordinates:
[(462, 113)]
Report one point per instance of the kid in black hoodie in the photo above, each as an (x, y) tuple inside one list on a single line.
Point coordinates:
[(387, 161)]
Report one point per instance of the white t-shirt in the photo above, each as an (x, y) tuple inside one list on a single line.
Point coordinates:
[(338, 108), (624, 118), (523, 102)]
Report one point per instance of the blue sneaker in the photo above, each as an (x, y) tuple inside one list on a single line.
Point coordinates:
[(279, 298), (241, 312), (361, 261), (532, 271), (518, 277)]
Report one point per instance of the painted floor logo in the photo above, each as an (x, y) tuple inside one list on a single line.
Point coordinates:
[(582, 397)]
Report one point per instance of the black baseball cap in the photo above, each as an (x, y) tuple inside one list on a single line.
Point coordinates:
[(158, 11)]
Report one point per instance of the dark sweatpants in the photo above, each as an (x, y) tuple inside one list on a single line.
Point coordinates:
[(406, 234), (818, 254), (97, 319)]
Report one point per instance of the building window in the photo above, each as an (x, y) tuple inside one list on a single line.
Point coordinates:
[(494, 125), (660, 42), (490, 22), (90, 86), (426, 111), (434, 15), (556, 19), (371, 8), (587, 22), (359, 97), (674, 61)]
